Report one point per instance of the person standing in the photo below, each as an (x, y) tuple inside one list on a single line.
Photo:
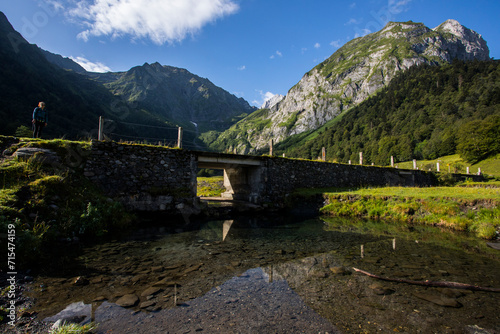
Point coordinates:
[(40, 118)]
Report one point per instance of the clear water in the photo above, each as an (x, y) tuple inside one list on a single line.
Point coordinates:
[(252, 275)]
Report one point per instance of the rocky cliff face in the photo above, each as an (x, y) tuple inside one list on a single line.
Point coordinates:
[(354, 72), (272, 101)]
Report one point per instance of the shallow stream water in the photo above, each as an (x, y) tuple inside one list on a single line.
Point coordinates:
[(252, 275)]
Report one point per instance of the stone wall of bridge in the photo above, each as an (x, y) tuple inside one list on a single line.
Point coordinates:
[(154, 178), (283, 176), (142, 177)]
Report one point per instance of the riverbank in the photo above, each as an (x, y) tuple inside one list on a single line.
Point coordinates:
[(472, 207), (48, 204)]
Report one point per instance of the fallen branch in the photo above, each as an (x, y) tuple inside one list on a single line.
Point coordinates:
[(441, 284)]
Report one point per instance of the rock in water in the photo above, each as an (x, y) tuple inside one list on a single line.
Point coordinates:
[(128, 301), (151, 291), (380, 289), (438, 299), (80, 281)]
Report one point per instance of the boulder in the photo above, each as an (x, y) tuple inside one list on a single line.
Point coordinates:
[(42, 155)]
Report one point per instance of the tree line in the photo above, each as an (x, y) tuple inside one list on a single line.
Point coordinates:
[(424, 113)]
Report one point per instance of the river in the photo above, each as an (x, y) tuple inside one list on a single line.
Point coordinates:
[(278, 275)]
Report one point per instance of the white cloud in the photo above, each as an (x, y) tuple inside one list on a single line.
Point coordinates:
[(161, 21), (91, 66), (267, 96), (353, 21), (277, 53), (352, 6), (336, 44), (398, 6), (317, 46), (56, 5), (242, 68), (263, 98)]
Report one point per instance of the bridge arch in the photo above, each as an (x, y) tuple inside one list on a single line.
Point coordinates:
[(243, 175)]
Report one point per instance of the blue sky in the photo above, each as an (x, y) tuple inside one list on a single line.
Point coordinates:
[(251, 48)]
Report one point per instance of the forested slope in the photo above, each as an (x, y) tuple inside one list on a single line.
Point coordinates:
[(425, 112)]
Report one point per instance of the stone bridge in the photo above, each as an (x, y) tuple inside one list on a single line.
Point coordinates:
[(243, 175), (155, 178)]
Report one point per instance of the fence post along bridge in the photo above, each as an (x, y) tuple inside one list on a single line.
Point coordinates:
[(158, 178)]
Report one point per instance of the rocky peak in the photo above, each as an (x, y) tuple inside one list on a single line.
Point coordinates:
[(471, 45), (268, 104), (357, 70)]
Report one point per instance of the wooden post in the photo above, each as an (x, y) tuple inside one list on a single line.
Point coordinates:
[(414, 164), (179, 138), (360, 158), (271, 147), (100, 134), (392, 161), (323, 154)]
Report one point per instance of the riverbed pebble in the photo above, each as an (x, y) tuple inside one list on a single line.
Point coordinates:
[(339, 271), (128, 301), (438, 299), (151, 291)]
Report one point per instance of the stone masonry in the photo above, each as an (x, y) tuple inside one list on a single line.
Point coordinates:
[(153, 178), (145, 178), (285, 175)]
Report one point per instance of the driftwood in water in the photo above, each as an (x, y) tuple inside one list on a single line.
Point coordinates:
[(442, 284)]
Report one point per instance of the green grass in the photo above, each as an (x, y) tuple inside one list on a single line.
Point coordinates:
[(210, 186), (455, 164), (48, 203), (72, 328), (471, 207), (461, 193)]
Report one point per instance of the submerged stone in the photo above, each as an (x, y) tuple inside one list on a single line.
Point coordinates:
[(339, 270), (380, 289), (128, 301), (438, 299), (151, 291)]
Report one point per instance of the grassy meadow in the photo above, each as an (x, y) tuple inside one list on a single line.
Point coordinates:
[(472, 207), (455, 164)]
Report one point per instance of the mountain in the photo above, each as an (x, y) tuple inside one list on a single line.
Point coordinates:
[(26, 77), (63, 62), (177, 95), (356, 71), (145, 103), (424, 113)]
